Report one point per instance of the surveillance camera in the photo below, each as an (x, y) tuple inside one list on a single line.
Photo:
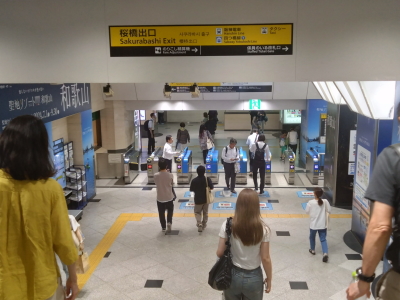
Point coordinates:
[(167, 91), (108, 92)]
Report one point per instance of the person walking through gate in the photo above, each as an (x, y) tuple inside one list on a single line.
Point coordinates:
[(149, 127), (292, 135), (230, 156), (165, 197), (204, 134), (168, 154), (182, 137), (198, 186), (317, 209), (250, 141), (261, 153)]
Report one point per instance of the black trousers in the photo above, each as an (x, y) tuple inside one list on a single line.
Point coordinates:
[(251, 161), (151, 143), (259, 166), (230, 174), (293, 147), (162, 207), (169, 164), (205, 152)]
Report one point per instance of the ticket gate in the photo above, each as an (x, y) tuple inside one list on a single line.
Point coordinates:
[(131, 165), (268, 170), (184, 166), (312, 166), (212, 165), (241, 177), (289, 168), (152, 164)]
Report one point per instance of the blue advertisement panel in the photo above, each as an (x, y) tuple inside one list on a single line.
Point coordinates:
[(313, 127), (48, 102), (396, 117), (365, 156), (88, 152)]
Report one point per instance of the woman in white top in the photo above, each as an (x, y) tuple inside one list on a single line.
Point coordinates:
[(249, 248), (317, 209)]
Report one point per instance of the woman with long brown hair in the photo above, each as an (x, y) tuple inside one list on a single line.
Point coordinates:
[(317, 209), (203, 135), (249, 247)]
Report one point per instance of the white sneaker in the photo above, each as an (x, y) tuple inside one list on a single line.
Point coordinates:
[(169, 225)]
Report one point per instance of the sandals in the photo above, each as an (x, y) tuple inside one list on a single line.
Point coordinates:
[(311, 251)]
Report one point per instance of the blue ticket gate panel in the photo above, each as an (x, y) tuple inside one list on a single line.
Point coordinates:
[(241, 177), (152, 164), (212, 165), (312, 166), (184, 166), (268, 170), (289, 168)]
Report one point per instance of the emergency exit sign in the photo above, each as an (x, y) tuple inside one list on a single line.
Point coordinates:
[(255, 104)]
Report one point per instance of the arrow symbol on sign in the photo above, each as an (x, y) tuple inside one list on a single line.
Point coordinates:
[(173, 90), (286, 48), (195, 50)]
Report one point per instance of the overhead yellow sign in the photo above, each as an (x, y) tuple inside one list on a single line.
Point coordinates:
[(204, 40)]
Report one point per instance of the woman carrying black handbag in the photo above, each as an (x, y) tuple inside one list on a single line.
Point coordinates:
[(249, 248)]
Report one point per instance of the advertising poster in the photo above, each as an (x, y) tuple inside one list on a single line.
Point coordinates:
[(396, 116), (352, 148), (365, 156), (311, 128), (48, 102), (59, 162), (88, 152)]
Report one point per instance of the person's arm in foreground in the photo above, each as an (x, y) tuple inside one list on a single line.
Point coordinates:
[(71, 286), (221, 247), (267, 264), (377, 237)]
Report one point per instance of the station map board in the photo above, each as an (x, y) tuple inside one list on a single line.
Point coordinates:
[(201, 40)]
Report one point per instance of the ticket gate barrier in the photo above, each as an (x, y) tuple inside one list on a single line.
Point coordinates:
[(289, 168), (131, 165), (241, 177), (312, 166), (184, 166), (268, 170), (152, 164), (212, 165)]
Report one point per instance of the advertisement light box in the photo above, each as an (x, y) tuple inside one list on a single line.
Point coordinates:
[(291, 116)]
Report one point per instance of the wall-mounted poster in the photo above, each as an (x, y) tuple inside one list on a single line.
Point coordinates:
[(59, 162)]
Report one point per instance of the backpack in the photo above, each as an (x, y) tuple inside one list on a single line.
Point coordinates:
[(393, 252), (146, 125), (261, 116), (226, 150), (259, 153)]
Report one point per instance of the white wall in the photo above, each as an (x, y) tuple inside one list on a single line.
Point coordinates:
[(67, 41), (191, 116), (60, 129)]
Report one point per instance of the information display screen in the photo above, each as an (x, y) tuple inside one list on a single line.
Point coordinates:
[(59, 162), (291, 116)]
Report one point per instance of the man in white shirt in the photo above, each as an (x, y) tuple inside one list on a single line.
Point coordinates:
[(250, 141), (230, 156), (293, 136), (168, 154)]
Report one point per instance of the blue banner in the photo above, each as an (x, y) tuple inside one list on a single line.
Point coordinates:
[(48, 102), (88, 152), (313, 127), (396, 117), (365, 156)]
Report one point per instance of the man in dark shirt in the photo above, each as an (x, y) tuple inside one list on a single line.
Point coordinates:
[(198, 186), (383, 190), (211, 126), (213, 114)]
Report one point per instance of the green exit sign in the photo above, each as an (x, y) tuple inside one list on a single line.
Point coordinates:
[(255, 104)]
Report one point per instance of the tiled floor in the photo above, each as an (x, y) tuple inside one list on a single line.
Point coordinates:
[(139, 251)]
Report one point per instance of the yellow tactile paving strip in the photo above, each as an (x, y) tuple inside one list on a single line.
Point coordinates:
[(101, 249)]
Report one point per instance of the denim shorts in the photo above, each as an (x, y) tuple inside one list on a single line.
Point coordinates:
[(246, 285)]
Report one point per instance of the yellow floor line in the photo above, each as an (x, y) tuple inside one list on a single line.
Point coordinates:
[(101, 249)]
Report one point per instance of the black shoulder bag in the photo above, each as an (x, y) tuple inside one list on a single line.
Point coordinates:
[(220, 276), (393, 252)]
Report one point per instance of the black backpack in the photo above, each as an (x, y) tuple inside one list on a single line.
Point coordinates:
[(393, 252), (226, 150), (146, 125), (259, 153)]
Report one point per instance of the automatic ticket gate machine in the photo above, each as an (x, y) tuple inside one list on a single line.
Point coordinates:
[(241, 177), (290, 166), (152, 164), (131, 165), (312, 166), (212, 165), (268, 170), (184, 166)]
